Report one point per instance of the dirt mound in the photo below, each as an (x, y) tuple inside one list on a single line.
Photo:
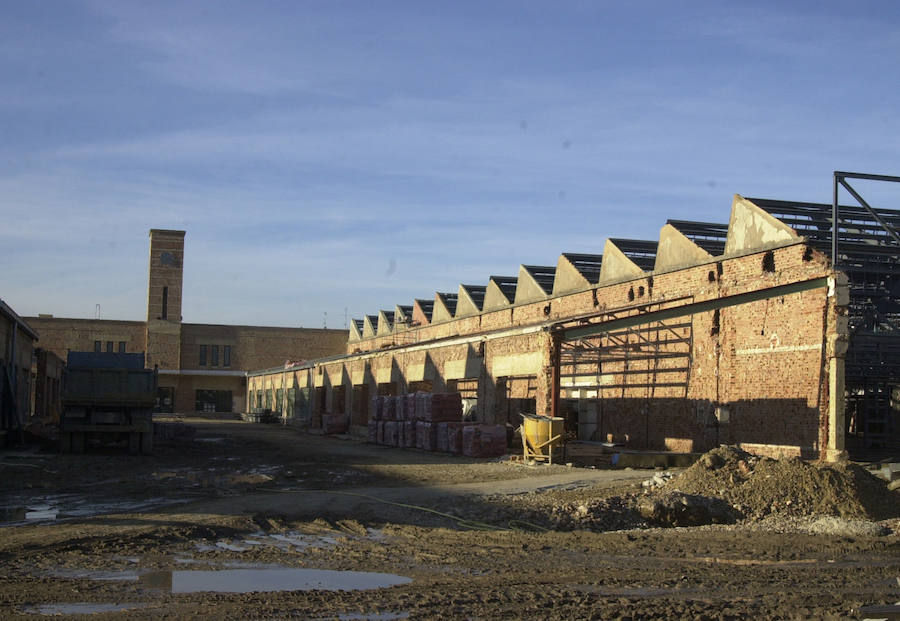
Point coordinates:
[(678, 509), (759, 486)]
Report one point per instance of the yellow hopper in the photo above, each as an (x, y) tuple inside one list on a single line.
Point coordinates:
[(540, 434)]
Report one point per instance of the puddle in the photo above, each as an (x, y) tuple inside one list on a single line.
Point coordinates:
[(79, 609), (243, 578), (231, 547), (281, 579), (58, 507), (34, 513)]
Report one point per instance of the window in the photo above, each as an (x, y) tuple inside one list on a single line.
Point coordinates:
[(121, 347), (226, 356), (109, 347), (98, 346), (203, 355), (214, 355), (165, 303)]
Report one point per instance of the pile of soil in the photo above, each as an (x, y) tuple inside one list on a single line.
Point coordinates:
[(760, 486)]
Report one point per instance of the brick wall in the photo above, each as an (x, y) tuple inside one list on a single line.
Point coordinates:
[(254, 347), (60, 335), (754, 373)]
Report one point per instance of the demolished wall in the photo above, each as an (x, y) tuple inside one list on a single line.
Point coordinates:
[(742, 348)]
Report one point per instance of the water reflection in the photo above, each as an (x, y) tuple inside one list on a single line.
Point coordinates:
[(281, 579)]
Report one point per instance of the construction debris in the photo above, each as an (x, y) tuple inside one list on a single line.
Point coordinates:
[(759, 486), (725, 486)]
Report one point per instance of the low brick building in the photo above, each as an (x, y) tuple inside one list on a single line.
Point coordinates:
[(716, 333), (202, 367)]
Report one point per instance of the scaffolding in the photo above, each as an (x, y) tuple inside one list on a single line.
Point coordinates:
[(863, 242)]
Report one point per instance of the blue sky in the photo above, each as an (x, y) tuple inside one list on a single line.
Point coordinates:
[(325, 156)]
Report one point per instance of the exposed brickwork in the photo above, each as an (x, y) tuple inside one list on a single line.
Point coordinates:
[(754, 373)]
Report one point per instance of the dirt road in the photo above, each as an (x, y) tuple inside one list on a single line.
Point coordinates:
[(268, 509)]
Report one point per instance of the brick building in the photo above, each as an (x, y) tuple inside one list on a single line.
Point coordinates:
[(732, 333), (202, 367)]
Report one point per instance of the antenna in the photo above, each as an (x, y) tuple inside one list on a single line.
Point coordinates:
[(325, 320), (345, 318), (97, 312)]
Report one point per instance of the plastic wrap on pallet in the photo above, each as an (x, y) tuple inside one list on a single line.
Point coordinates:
[(455, 437), (471, 441), (411, 405), (388, 408), (373, 431), (401, 434), (409, 431), (377, 408), (426, 436), (442, 440), (392, 433), (484, 440), (402, 438), (423, 406)]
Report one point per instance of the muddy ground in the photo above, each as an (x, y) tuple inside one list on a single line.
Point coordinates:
[(118, 536)]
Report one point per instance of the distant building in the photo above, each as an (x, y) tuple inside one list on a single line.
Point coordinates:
[(17, 340), (202, 367)]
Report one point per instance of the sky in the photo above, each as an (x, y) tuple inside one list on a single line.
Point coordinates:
[(331, 159)]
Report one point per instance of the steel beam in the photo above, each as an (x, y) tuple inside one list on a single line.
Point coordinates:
[(890, 230), (692, 309)]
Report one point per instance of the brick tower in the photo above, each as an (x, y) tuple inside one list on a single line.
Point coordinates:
[(164, 299)]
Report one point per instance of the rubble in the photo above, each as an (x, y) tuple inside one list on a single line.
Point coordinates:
[(760, 486), (678, 509), (727, 486)]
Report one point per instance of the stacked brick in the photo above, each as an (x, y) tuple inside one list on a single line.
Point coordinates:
[(484, 440), (432, 422)]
